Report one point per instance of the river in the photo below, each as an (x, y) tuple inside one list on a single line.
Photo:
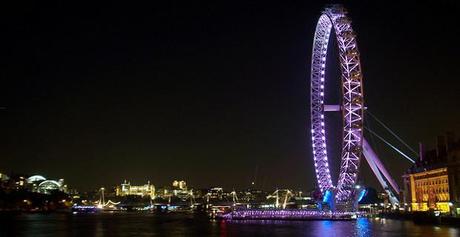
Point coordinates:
[(147, 224)]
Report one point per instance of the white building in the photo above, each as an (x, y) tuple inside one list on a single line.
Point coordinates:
[(40, 184), (179, 184), (142, 190)]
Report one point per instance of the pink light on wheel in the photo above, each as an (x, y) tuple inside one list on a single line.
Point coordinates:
[(335, 17)]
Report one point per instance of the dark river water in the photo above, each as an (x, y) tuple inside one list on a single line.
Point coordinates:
[(139, 224)]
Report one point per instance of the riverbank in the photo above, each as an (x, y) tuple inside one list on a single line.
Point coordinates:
[(424, 218)]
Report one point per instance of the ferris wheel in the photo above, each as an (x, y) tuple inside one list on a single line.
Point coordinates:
[(351, 108)]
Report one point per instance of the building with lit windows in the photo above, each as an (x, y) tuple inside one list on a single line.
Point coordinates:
[(215, 193), (179, 184), (180, 190), (4, 181), (429, 190), (4, 177), (18, 182), (433, 182), (142, 190)]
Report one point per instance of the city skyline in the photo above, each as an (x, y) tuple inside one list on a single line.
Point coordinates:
[(215, 95)]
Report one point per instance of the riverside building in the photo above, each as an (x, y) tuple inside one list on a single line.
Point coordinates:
[(140, 190), (433, 182)]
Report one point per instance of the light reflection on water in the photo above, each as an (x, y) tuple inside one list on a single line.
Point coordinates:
[(143, 224)]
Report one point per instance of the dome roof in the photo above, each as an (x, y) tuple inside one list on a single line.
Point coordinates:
[(48, 185), (35, 178)]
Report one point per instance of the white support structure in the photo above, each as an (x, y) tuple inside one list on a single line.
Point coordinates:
[(380, 172), (332, 108)]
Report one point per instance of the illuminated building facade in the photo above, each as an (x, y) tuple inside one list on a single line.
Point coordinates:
[(142, 190), (3, 177), (215, 193), (433, 183), (179, 189), (179, 184), (18, 182), (429, 190), (3, 181)]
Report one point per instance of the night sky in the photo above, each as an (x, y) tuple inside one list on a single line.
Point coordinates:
[(216, 93)]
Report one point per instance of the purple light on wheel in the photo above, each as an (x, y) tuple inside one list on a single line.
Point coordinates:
[(291, 214), (351, 107)]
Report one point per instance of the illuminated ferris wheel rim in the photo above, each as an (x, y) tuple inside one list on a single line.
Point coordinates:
[(351, 108)]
